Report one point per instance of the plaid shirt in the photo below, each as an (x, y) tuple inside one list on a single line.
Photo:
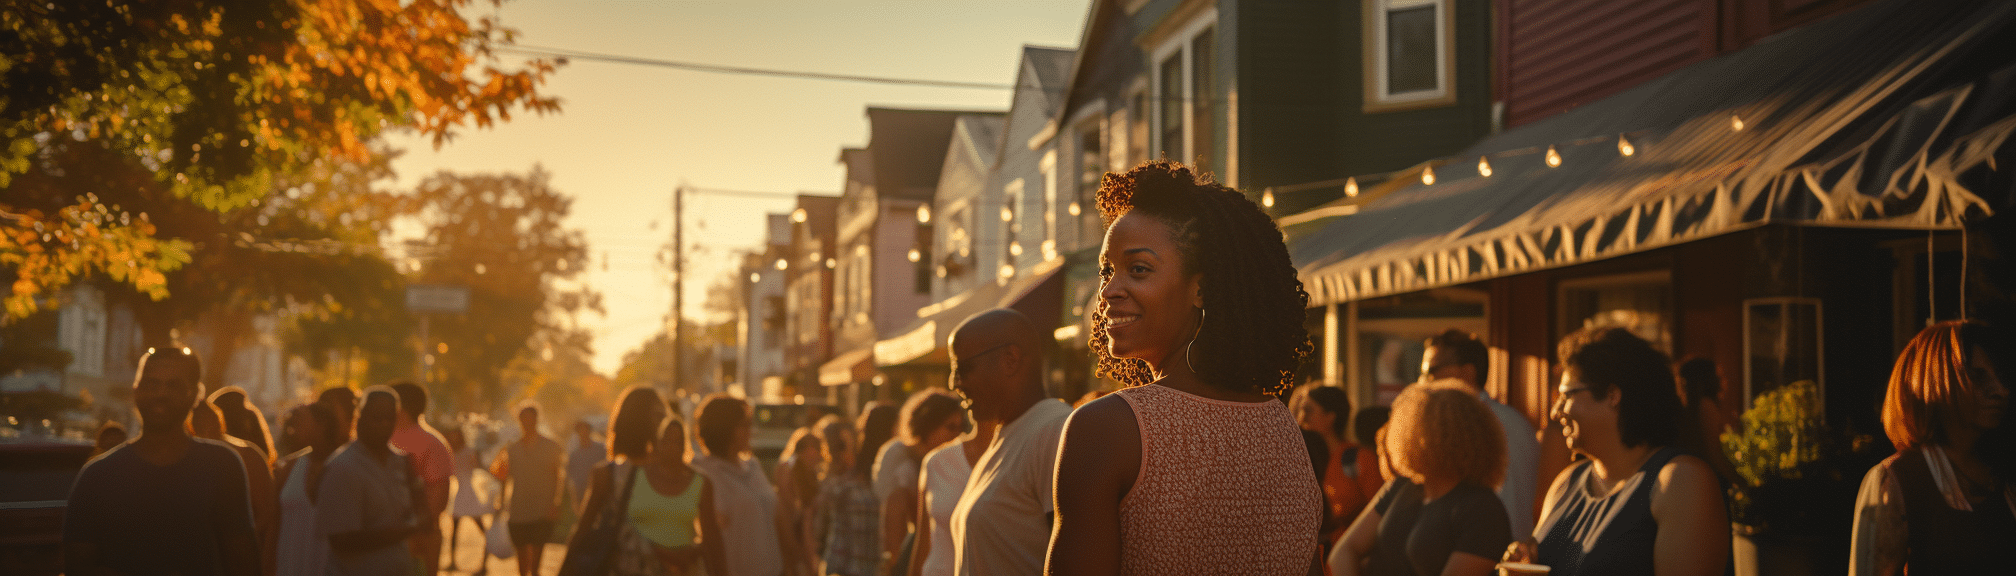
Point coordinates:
[(852, 525)]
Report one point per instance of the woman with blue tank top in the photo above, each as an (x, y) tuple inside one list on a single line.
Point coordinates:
[(1634, 504)]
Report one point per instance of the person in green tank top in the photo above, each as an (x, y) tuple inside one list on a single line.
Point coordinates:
[(665, 505)]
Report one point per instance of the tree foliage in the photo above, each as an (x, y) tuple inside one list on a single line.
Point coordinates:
[(219, 103), (502, 236)]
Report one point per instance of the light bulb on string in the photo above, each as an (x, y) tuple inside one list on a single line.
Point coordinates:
[(1624, 146), (915, 255), (1736, 123), (1075, 209), (781, 264), (924, 214), (1428, 176), (1553, 157), (1007, 214), (1484, 166), (1351, 187), (1267, 199), (798, 215)]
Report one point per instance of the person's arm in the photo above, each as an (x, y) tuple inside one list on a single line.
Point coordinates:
[(713, 550), (922, 549), (1693, 535), (501, 467), (1879, 545), (1523, 547), (897, 512), (1347, 557), (1096, 464), (592, 506)]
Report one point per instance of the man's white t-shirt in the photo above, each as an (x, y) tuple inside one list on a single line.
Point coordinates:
[(1002, 524)]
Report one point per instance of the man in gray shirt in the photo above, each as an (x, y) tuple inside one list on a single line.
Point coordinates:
[(371, 498)]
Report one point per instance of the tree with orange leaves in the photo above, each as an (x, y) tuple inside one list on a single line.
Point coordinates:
[(218, 104)]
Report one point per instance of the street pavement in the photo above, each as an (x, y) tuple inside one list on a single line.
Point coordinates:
[(469, 555)]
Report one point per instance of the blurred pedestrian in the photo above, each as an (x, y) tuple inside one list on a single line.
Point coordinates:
[(343, 400), (1003, 521), (530, 470), (744, 503), (301, 549), (1701, 418), (943, 481), (930, 418), (434, 464), (1193, 466), (1440, 515), (605, 512), (372, 502), (1939, 505), (1365, 426), (471, 502), (206, 422), (243, 420), (1634, 505), (164, 502), (797, 476), (846, 516), (1460, 355), (582, 457), (1350, 472), (110, 435)]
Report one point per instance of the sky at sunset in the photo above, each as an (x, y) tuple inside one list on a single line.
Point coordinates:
[(629, 134)]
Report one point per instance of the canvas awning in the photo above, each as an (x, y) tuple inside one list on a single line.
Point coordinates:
[(924, 342), (1887, 116), (851, 366)]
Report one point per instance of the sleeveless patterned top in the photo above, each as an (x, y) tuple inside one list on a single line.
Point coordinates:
[(1224, 488)]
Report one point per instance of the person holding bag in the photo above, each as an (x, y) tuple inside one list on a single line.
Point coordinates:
[(642, 505)]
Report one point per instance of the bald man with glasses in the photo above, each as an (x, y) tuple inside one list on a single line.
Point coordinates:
[(1002, 523)]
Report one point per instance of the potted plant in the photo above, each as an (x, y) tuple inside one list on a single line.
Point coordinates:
[(1796, 513)]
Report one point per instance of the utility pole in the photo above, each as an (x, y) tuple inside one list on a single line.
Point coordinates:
[(678, 277)]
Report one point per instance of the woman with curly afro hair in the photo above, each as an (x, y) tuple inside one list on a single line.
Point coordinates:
[(1194, 467)]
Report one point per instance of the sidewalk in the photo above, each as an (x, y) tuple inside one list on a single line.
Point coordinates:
[(468, 555)]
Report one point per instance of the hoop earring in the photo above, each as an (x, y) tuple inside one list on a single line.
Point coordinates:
[(1193, 341)]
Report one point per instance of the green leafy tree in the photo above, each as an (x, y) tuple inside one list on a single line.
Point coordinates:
[(503, 237), (217, 104)]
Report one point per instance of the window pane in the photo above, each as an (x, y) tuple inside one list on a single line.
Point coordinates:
[(1410, 50), (1171, 105)]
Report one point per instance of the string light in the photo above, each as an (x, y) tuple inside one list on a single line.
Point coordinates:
[(830, 263), (924, 214), (781, 264), (915, 255), (1428, 176), (1075, 210), (1484, 166), (1553, 157), (798, 215), (1006, 271), (1015, 249), (1735, 122), (1007, 214), (755, 277), (1351, 187), (1624, 146), (1266, 199)]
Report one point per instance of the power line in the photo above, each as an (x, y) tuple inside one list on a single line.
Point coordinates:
[(720, 69)]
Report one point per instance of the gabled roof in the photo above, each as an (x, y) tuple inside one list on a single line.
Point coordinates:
[(983, 136), (907, 149)]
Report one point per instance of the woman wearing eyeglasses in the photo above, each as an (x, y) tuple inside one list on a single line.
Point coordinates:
[(1194, 467), (1635, 504)]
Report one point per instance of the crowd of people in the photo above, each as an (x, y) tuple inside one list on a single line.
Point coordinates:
[(1206, 461)]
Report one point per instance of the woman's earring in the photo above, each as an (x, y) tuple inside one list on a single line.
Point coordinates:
[(1193, 341)]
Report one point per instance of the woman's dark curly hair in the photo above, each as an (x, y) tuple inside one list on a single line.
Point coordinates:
[(1608, 359), (1254, 304)]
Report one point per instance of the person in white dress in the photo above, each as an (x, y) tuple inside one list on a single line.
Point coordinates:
[(301, 549), (472, 499)]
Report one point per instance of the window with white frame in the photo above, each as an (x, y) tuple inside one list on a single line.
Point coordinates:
[(1409, 54), (1185, 76)]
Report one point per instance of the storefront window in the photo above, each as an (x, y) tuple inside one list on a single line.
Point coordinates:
[(1782, 345)]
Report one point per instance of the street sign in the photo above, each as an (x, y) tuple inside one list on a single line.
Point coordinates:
[(437, 298)]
